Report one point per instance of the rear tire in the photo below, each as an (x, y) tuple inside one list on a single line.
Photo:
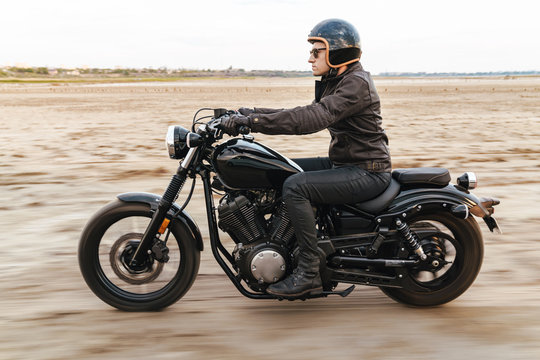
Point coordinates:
[(469, 252), (102, 246)]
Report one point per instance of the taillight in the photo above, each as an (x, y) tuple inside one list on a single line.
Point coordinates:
[(468, 181)]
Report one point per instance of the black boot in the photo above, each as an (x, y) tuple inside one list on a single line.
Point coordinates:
[(296, 285), (305, 279)]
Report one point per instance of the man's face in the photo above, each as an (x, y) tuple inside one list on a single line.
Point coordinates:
[(318, 61)]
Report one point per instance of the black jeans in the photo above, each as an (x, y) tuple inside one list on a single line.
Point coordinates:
[(322, 183)]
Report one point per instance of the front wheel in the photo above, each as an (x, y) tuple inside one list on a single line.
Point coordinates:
[(105, 249), (458, 248)]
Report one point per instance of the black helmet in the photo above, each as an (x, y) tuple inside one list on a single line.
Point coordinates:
[(341, 40)]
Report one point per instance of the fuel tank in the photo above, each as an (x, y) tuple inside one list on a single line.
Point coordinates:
[(246, 164)]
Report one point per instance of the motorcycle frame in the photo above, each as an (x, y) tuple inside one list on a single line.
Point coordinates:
[(215, 243)]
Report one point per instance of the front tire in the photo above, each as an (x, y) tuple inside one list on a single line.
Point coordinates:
[(465, 247), (112, 233)]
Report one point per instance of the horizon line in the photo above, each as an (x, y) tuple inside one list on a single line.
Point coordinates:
[(241, 70)]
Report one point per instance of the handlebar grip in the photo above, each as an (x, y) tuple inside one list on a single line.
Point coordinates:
[(244, 130)]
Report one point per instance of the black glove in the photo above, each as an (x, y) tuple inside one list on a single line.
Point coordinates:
[(246, 111), (231, 124)]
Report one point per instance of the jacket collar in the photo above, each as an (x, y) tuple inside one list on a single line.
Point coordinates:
[(320, 85), (350, 68)]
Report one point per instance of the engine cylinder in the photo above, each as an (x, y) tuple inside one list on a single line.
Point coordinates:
[(240, 219), (281, 229)]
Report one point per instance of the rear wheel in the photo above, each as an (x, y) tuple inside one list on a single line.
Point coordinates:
[(456, 251), (105, 250)]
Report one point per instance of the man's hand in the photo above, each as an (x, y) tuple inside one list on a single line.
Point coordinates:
[(231, 124)]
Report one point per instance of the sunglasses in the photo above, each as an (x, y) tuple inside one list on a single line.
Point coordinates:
[(315, 52)]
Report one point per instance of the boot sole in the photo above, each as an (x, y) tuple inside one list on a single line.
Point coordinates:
[(314, 291)]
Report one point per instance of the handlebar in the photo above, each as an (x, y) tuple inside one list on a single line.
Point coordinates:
[(244, 130), (220, 115)]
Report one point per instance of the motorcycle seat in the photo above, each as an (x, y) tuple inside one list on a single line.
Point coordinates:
[(423, 175), (381, 202)]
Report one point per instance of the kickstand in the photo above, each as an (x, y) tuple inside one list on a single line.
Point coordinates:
[(342, 293)]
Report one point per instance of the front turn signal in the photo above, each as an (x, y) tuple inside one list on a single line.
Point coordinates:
[(163, 226)]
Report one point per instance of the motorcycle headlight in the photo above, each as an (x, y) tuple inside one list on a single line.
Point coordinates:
[(176, 142)]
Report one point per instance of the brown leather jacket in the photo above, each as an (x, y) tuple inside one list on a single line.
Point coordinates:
[(348, 106)]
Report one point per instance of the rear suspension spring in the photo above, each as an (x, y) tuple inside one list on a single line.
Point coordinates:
[(411, 238)]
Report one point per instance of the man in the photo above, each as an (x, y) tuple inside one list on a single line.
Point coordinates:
[(358, 168)]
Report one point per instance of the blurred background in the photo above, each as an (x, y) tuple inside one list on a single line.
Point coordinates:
[(68, 145)]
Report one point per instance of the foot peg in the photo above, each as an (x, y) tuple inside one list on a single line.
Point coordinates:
[(342, 293)]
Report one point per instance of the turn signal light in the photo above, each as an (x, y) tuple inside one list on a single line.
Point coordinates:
[(487, 204), (164, 225)]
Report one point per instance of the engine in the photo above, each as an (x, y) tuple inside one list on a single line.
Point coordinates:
[(262, 231)]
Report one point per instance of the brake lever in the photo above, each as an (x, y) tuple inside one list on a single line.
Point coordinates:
[(215, 126)]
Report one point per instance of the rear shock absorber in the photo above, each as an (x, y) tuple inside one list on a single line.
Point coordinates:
[(411, 238)]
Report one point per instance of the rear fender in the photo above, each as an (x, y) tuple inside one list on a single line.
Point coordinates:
[(448, 198), (153, 201)]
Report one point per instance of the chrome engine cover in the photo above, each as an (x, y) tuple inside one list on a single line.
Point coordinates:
[(268, 266)]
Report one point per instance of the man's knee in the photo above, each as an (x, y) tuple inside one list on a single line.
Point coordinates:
[(293, 186)]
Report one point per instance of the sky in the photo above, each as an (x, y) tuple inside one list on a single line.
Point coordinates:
[(396, 36)]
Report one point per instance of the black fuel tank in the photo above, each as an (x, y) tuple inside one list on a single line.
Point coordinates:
[(245, 164)]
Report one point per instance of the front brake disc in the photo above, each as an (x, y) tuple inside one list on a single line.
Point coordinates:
[(120, 256)]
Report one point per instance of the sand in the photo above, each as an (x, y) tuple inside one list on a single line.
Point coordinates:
[(67, 150)]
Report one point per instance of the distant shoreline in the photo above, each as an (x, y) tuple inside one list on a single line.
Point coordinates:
[(82, 81), (120, 75)]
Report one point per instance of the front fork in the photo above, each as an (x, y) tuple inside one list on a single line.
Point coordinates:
[(163, 208)]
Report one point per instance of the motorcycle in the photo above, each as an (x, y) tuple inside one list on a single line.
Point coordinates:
[(418, 241)]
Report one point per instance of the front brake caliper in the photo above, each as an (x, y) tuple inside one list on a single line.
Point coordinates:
[(160, 251)]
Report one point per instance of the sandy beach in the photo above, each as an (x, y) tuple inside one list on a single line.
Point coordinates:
[(68, 149)]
